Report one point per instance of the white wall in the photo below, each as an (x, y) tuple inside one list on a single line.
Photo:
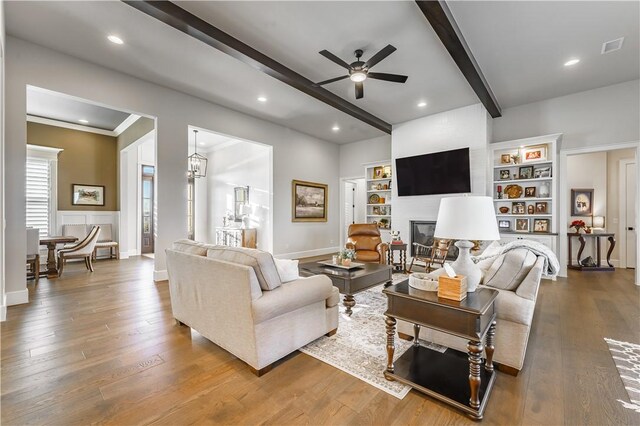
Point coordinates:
[(354, 155), (460, 128), (606, 115), (3, 304), (241, 164), (295, 155)]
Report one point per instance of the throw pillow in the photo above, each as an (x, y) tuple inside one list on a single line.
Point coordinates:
[(509, 269), (287, 269)]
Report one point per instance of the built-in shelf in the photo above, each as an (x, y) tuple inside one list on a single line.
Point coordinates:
[(379, 190), (532, 163), (506, 200), (501, 182), (370, 183), (379, 179), (379, 215), (522, 215), (379, 204), (530, 233)]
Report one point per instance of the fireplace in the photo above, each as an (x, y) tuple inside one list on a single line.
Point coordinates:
[(422, 233)]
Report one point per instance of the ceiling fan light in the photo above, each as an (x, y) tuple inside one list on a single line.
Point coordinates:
[(358, 76)]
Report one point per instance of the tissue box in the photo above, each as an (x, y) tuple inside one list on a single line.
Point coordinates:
[(452, 288)]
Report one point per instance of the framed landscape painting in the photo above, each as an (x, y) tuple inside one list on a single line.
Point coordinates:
[(309, 201), (87, 195)]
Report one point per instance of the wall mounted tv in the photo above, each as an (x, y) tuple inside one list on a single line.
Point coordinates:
[(445, 172)]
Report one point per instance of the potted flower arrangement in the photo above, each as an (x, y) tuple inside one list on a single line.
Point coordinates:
[(578, 225), (346, 256)]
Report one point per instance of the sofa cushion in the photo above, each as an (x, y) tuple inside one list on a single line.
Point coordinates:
[(367, 256), (334, 299), (511, 307), (190, 247), (261, 262), (291, 296), (287, 269), (509, 269)]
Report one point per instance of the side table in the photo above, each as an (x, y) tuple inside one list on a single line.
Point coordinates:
[(596, 236), (452, 377), (400, 266)]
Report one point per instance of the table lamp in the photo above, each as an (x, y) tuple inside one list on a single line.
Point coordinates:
[(463, 219), (598, 222)]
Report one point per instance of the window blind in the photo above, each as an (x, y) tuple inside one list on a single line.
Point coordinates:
[(38, 194)]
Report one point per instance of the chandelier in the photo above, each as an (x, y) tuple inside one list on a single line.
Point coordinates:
[(197, 163)]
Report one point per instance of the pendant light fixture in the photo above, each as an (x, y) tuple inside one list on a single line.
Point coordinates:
[(197, 162)]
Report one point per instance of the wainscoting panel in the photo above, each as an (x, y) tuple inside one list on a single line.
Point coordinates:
[(74, 217)]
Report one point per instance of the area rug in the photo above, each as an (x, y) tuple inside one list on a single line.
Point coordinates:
[(627, 358), (359, 346)]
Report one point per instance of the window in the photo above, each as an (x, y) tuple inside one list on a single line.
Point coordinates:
[(41, 188)]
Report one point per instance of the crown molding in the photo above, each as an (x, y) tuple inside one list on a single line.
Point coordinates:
[(79, 127)]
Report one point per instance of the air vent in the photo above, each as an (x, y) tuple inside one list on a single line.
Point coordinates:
[(612, 46)]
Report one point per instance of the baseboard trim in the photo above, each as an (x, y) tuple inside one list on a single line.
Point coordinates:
[(17, 297), (307, 253), (160, 275)]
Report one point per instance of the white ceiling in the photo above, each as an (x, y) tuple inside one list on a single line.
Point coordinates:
[(55, 106), (209, 141), (521, 46)]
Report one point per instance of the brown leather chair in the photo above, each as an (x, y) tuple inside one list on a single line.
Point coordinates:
[(365, 239)]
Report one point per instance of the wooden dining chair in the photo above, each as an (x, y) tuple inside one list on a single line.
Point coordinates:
[(433, 255), (33, 253), (81, 250)]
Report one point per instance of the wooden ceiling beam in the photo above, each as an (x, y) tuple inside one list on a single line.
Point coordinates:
[(182, 20), (443, 23)]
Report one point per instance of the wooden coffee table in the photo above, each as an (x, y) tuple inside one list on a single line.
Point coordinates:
[(453, 377), (352, 281)]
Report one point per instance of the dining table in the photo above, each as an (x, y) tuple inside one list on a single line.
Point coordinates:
[(52, 242)]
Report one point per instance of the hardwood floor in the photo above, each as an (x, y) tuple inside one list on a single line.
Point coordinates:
[(103, 348)]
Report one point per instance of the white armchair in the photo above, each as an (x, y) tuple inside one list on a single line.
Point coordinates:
[(82, 250)]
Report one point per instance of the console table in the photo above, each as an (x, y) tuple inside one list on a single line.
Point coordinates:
[(452, 377), (582, 239), (236, 237)]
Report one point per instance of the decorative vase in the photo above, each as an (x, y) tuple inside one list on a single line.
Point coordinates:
[(346, 262), (544, 190)]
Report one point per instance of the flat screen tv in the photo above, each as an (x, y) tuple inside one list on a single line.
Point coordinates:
[(445, 172)]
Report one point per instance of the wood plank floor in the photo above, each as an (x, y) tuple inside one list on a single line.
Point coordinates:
[(103, 348)]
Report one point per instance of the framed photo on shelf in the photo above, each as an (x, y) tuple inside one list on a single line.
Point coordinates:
[(530, 191), (518, 207), (376, 211), (504, 225), (525, 172), (542, 172), (581, 202), (377, 172), (386, 171), (309, 201), (541, 207), (505, 159), (87, 195), (522, 225), (541, 225), (505, 174), (534, 153)]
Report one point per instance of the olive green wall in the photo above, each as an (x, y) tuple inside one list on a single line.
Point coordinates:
[(88, 158)]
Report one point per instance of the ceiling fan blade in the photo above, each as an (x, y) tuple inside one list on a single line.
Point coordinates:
[(396, 78), (359, 90), (330, 56), (386, 51), (331, 80)]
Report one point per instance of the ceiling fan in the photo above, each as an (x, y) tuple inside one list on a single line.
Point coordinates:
[(359, 70)]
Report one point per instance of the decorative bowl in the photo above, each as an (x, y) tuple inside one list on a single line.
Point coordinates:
[(504, 210), (423, 282)]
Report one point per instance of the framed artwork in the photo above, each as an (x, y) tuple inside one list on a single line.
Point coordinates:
[(240, 199), (530, 191), (376, 210), (87, 195), (541, 207), (504, 224), (386, 171), (541, 225), (542, 172), (309, 201), (522, 225), (534, 153), (581, 202), (518, 207), (505, 159), (525, 172), (378, 172), (505, 174)]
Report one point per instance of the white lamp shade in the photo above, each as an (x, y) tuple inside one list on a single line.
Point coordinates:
[(467, 218), (598, 221)]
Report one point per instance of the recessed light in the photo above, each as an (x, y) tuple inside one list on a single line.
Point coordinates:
[(422, 104), (571, 62), (335, 128), (262, 99), (115, 39), (83, 121)]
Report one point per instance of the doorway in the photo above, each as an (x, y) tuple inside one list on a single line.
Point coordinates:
[(353, 194), (628, 231), (147, 202)]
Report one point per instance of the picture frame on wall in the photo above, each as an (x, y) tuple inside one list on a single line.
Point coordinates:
[(534, 153), (582, 202), (309, 201), (522, 225), (541, 225), (504, 225), (87, 195)]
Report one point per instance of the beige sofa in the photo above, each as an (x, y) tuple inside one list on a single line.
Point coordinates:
[(235, 298), (514, 308)]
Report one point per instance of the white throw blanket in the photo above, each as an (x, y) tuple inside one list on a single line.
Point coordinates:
[(551, 264)]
